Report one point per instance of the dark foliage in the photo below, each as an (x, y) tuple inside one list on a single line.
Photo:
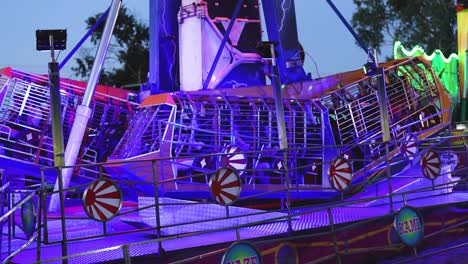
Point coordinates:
[(428, 23), (127, 55)]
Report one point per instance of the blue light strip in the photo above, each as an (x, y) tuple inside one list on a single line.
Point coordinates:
[(223, 43), (83, 39)]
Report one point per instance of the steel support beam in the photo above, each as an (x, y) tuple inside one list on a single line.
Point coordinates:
[(83, 39), (83, 112), (269, 12), (163, 45), (348, 26), (223, 44), (153, 75)]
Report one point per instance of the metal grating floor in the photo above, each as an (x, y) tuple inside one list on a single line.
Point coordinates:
[(144, 244)]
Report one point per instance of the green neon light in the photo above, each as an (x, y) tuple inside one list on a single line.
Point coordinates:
[(419, 51), (445, 68)]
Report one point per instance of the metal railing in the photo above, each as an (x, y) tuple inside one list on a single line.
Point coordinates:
[(25, 116), (157, 207), (124, 250), (15, 201)]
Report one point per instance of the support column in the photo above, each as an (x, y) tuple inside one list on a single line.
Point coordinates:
[(382, 95), (280, 20), (163, 46), (83, 112), (57, 129), (153, 75)]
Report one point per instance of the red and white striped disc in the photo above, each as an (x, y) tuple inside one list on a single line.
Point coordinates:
[(340, 173), (409, 148), (102, 200), (225, 185), (234, 159), (430, 164)]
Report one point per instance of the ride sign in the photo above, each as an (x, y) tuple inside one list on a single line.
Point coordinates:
[(242, 253), (409, 226)]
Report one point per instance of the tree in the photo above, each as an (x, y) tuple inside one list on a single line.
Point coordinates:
[(428, 23), (129, 48)]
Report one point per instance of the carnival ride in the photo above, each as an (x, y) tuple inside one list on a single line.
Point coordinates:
[(194, 125), (204, 166)]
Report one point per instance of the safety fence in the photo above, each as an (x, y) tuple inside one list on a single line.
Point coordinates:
[(100, 204)]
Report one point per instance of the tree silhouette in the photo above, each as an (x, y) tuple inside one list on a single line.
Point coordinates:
[(428, 23), (128, 53)]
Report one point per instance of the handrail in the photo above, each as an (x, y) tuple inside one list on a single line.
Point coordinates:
[(313, 210), (236, 227), (117, 162), (25, 245), (2, 189), (32, 121), (288, 217), (20, 203), (73, 87), (432, 253)]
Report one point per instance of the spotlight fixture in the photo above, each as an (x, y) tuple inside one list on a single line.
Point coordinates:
[(58, 36)]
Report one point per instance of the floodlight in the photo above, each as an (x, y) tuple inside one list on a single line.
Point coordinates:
[(44, 37)]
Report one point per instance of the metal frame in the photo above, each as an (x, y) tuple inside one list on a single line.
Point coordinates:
[(223, 43), (83, 39), (35, 117), (287, 217), (156, 183), (207, 128)]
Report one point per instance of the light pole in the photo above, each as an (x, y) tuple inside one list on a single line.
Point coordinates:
[(84, 111), (372, 69), (267, 50), (54, 40)]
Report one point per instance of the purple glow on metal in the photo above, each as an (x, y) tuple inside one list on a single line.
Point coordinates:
[(223, 43), (163, 45)]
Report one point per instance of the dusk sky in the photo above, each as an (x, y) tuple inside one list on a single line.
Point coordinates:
[(321, 33)]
